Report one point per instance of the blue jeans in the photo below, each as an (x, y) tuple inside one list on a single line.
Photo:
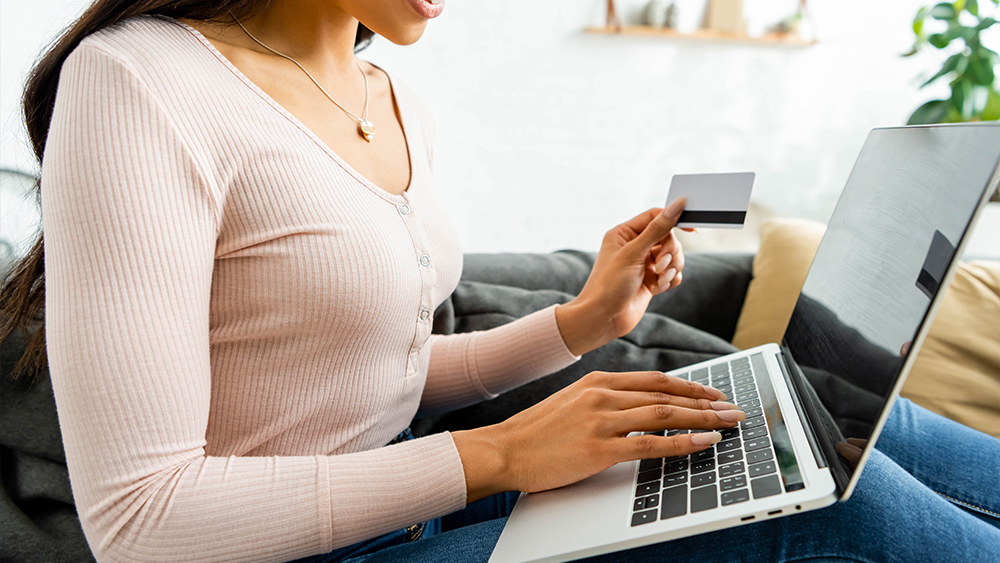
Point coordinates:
[(929, 493)]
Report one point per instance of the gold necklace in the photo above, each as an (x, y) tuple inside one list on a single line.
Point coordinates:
[(365, 128)]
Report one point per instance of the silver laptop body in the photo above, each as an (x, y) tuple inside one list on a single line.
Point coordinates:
[(890, 250)]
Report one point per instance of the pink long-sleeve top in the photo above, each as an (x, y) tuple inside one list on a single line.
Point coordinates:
[(238, 321)]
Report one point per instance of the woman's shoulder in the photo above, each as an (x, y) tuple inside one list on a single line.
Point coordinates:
[(149, 46)]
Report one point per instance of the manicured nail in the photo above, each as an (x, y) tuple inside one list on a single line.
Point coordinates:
[(732, 416), (705, 438), (662, 264), (719, 395), (674, 210), (667, 277), (720, 406)]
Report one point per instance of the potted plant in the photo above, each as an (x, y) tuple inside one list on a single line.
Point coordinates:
[(972, 68)]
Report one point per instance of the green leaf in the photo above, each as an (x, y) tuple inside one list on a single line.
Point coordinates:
[(933, 111), (944, 11), (992, 110), (949, 66), (939, 40), (984, 23), (973, 7), (980, 70), (918, 21), (962, 99)]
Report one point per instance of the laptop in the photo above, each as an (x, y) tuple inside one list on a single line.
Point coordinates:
[(888, 254)]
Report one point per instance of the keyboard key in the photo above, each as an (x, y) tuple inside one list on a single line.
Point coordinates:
[(733, 483), (647, 489), (746, 387), (675, 458), (721, 380), (647, 464), (684, 375), (705, 498), (765, 486), (730, 433), (730, 457), (676, 432), (759, 456), (729, 445), (675, 466), (752, 422), (740, 397), (750, 404), (699, 374), (727, 389), (742, 380), (757, 444), (651, 475), (652, 501), (674, 502), (751, 433), (675, 479), (731, 469), (702, 479), (703, 455), (762, 469), (640, 518), (659, 433), (734, 497), (720, 368), (703, 466), (639, 504), (751, 412)]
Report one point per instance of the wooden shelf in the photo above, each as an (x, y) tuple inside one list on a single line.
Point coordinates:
[(777, 39)]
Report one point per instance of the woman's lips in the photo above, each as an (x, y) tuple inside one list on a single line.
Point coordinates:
[(429, 9)]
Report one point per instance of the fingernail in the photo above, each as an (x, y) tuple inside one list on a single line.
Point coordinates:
[(667, 277), (718, 394), (673, 210), (721, 406), (659, 266), (705, 438), (732, 416)]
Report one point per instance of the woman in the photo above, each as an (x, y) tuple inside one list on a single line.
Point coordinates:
[(241, 214)]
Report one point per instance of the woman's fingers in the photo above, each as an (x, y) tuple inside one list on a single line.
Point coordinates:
[(653, 418), (655, 381), (649, 446)]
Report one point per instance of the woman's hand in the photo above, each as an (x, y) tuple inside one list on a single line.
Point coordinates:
[(583, 430), (638, 259)]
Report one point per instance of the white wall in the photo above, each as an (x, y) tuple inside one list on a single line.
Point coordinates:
[(548, 136)]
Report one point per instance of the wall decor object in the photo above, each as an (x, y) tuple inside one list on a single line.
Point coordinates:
[(655, 13), (726, 16)]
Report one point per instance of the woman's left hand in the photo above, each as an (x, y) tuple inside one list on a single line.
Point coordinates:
[(638, 259)]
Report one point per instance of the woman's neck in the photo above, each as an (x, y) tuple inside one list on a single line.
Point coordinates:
[(316, 33)]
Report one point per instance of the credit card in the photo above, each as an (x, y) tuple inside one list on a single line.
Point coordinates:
[(714, 201)]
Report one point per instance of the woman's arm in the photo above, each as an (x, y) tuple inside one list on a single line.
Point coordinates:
[(638, 259), (131, 222)]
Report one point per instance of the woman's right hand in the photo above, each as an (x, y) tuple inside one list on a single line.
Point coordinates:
[(584, 429)]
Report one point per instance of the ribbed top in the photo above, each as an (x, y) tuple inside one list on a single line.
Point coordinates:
[(237, 320)]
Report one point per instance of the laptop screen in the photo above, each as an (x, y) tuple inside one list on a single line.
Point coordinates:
[(887, 249)]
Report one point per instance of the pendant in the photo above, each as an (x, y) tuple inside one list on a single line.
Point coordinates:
[(366, 129)]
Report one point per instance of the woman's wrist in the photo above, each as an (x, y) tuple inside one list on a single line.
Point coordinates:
[(583, 326), (484, 462)]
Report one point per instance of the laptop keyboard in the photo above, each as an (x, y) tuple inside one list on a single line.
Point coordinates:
[(730, 472)]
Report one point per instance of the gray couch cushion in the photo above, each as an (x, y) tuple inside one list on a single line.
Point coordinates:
[(689, 324)]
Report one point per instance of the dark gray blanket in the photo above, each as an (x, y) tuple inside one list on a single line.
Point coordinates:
[(691, 323)]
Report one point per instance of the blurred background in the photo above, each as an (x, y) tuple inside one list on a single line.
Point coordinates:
[(548, 135)]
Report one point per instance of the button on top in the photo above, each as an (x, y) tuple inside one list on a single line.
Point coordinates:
[(425, 260), (404, 209), (424, 314)]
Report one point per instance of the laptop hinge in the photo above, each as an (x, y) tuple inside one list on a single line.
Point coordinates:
[(822, 430), (810, 433)]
